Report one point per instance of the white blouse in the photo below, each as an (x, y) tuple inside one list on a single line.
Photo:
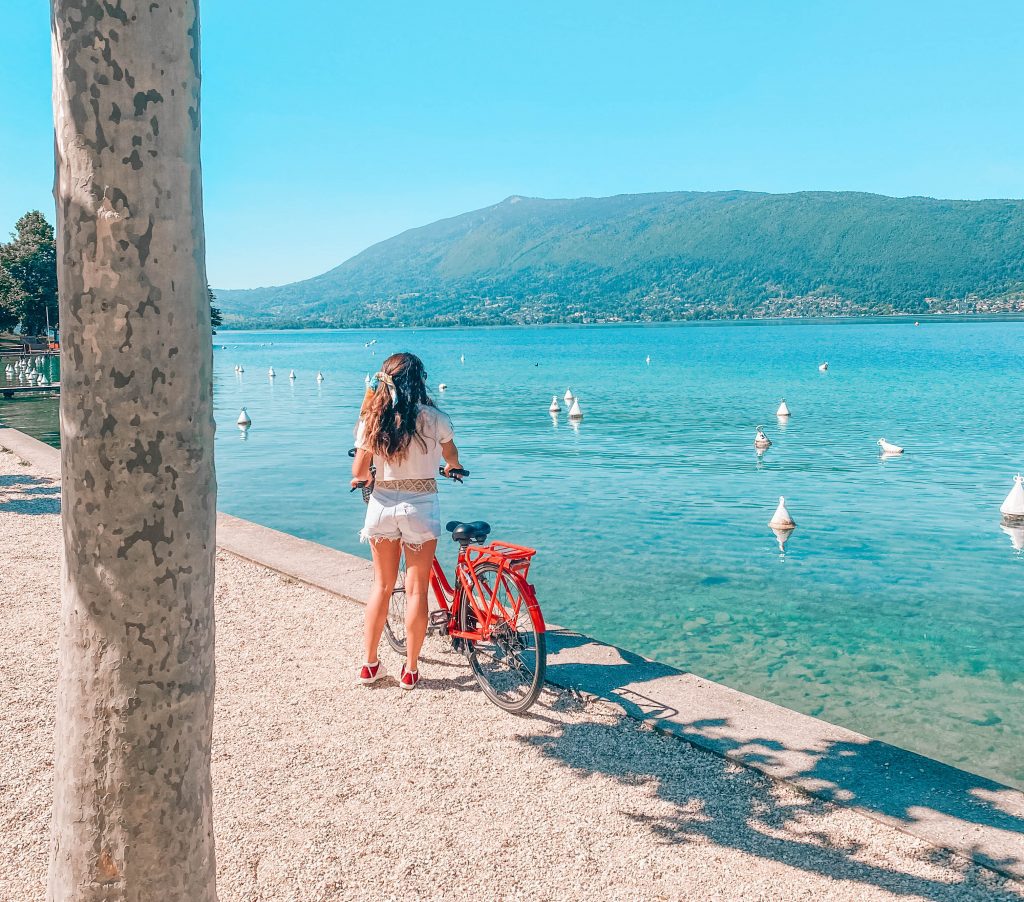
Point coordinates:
[(422, 457)]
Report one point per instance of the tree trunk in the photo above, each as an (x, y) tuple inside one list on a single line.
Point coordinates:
[(132, 807)]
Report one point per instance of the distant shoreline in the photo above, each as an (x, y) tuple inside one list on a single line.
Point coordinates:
[(881, 319)]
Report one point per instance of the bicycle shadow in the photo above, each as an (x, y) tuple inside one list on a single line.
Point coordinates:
[(734, 807)]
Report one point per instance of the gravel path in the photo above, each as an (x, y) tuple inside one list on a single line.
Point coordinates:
[(326, 790)]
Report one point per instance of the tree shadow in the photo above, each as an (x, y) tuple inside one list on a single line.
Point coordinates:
[(26, 494), (735, 808)]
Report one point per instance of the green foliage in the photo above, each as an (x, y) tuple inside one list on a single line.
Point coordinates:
[(216, 317), (665, 257), (28, 275), (10, 300)]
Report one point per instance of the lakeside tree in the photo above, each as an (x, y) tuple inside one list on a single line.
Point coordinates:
[(132, 807), (216, 317), (9, 295), (28, 276)]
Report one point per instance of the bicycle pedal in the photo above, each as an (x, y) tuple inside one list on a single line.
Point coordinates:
[(438, 618)]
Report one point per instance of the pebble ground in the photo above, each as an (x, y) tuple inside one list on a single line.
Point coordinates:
[(326, 790)]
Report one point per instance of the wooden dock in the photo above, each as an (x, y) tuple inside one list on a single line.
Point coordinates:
[(12, 391)]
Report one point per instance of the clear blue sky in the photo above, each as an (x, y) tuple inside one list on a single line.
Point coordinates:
[(331, 125)]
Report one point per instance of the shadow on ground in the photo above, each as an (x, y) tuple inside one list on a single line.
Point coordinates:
[(845, 772), (27, 494)]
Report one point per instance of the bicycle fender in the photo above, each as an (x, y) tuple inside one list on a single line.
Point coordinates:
[(533, 606)]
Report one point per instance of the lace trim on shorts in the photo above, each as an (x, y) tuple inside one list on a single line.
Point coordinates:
[(408, 485)]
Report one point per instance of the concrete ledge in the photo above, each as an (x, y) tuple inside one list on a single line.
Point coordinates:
[(39, 454), (947, 807), (333, 571)]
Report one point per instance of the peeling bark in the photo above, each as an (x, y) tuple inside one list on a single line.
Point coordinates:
[(132, 807)]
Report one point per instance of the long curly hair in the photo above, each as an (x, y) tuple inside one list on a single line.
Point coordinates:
[(392, 406)]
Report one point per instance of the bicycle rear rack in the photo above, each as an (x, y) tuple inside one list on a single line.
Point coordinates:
[(505, 555)]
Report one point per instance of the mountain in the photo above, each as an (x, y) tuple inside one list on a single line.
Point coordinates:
[(671, 256)]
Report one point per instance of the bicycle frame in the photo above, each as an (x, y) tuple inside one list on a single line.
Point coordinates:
[(512, 562)]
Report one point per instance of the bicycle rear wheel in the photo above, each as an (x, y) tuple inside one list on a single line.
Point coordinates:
[(394, 626), (510, 664)]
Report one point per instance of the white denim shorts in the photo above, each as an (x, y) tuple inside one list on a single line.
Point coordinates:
[(413, 517)]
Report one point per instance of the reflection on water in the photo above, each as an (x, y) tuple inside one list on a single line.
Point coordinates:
[(895, 609)]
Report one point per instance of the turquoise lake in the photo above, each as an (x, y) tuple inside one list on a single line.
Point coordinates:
[(897, 606)]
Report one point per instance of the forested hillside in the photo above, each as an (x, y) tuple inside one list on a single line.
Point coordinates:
[(671, 256)]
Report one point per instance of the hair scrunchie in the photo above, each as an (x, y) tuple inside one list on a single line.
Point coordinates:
[(389, 382)]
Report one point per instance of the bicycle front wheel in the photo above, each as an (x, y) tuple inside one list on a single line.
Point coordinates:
[(394, 626), (510, 663)]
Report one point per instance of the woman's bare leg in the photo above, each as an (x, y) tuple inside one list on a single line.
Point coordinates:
[(387, 554), (417, 581)]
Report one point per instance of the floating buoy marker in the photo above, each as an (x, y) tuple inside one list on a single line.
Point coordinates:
[(291, 374), (271, 373), (823, 367), (554, 408), (319, 376), (244, 420), (567, 397), (783, 410), (442, 386), (1012, 508), (648, 360), (574, 412), (761, 440), (781, 518), (889, 447)]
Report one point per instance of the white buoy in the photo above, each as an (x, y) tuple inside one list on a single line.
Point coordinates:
[(1012, 508), (575, 413), (781, 518), (319, 376), (244, 420), (567, 397), (241, 368), (271, 373), (42, 380), (554, 408), (462, 358), (291, 374), (648, 360), (761, 440), (783, 410), (889, 447), (367, 381), (442, 386), (823, 367)]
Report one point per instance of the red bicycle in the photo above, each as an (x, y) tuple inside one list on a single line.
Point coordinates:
[(489, 612)]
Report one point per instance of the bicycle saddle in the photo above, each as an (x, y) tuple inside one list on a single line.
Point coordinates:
[(477, 531)]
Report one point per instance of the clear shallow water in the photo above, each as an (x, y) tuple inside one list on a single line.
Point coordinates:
[(898, 606)]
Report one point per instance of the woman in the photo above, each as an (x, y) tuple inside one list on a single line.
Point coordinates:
[(403, 433)]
